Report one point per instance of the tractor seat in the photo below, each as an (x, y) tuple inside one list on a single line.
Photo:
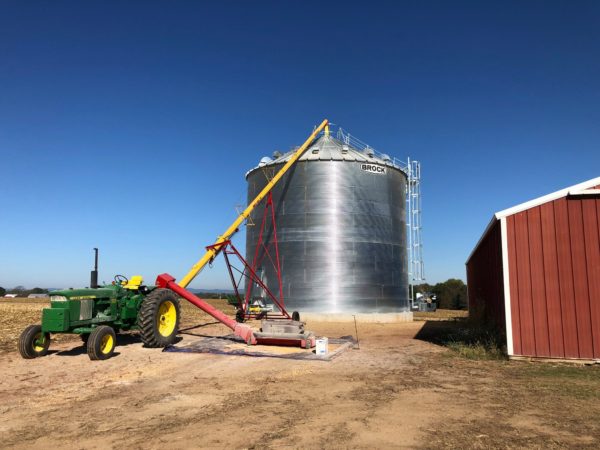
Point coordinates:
[(135, 282)]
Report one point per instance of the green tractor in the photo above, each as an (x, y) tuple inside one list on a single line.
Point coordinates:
[(98, 313)]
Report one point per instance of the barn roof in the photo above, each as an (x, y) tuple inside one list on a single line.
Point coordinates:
[(585, 188), (577, 189)]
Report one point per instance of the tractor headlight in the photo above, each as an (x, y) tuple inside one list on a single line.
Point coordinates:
[(58, 298)]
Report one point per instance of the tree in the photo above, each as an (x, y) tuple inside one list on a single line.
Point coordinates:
[(18, 290), (2, 291), (451, 294), (38, 290)]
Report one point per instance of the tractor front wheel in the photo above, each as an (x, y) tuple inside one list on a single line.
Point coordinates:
[(101, 343), (158, 318), (33, 343), (240, 316)]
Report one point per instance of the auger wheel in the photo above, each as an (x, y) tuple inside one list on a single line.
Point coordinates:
[(158, 318)]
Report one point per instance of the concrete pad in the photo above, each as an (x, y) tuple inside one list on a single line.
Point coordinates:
[(231, 345), (360, 317)]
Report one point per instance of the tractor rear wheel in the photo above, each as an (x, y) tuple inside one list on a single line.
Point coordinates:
[(33, 343), (101, 343), (158, 318)]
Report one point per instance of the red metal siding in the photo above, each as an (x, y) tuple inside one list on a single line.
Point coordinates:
[(538, 284), (554, 314), (591, 223), (565, 278), (485, 281), (580, 280), (525, 304), (554, 269), (514, 287)]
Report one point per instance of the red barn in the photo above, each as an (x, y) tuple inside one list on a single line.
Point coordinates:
[(535, 275)]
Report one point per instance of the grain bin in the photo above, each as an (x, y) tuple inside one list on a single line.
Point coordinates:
[(341, 227)]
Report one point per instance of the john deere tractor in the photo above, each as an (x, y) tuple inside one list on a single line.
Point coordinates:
[(98, 313)]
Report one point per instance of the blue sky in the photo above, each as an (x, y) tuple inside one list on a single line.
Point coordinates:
[(129, 126)]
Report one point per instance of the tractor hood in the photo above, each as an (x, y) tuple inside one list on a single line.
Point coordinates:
[(85, 293)]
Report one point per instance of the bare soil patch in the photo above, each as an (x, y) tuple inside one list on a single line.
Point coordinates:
[(395, 392)]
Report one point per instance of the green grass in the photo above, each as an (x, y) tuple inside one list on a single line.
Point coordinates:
[(564, 380), (478, 351), (473, 342)]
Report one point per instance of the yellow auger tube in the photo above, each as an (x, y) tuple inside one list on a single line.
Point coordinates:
[(213, 251)]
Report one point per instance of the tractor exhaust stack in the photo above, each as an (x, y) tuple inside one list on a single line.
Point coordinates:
[(94, 273)]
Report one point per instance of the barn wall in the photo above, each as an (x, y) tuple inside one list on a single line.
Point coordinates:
[(554, 267), (485, 281)]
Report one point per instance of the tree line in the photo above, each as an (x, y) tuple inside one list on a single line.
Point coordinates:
[(450, 294), (20, 291)]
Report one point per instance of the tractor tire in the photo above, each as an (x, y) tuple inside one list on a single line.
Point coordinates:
[(33, 343), (158, 318), (296, 316), (239, 316), (101, 343)]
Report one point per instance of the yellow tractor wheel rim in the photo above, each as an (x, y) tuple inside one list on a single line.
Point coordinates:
[(37, 340), (106, 344), (167, 318)]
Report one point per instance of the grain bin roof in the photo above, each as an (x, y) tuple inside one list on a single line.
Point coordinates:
[(328, 148)]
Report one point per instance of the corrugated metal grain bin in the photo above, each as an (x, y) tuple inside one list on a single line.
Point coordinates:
[(341, 227), (535, 275)]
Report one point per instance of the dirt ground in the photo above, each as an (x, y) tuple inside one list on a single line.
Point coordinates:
[(398, 390)]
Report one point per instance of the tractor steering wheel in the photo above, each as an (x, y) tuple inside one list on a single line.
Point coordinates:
[(121, 279)]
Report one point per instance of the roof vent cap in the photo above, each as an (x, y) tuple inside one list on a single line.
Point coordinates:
[(370, 152), (386, 158), (264, 161), (345, 149), (276, 154), (314, 150)]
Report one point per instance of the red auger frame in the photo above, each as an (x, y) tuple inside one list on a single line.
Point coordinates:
[(281, 336), (249, 272), (283, 332), (239, 329)]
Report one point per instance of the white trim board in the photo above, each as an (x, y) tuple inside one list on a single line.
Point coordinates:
[(505, 276), (548, 198), (585, 192)]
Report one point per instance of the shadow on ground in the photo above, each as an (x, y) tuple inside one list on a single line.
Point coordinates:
[(464, 337), (439, 332), (79, 348), (189, 330)]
